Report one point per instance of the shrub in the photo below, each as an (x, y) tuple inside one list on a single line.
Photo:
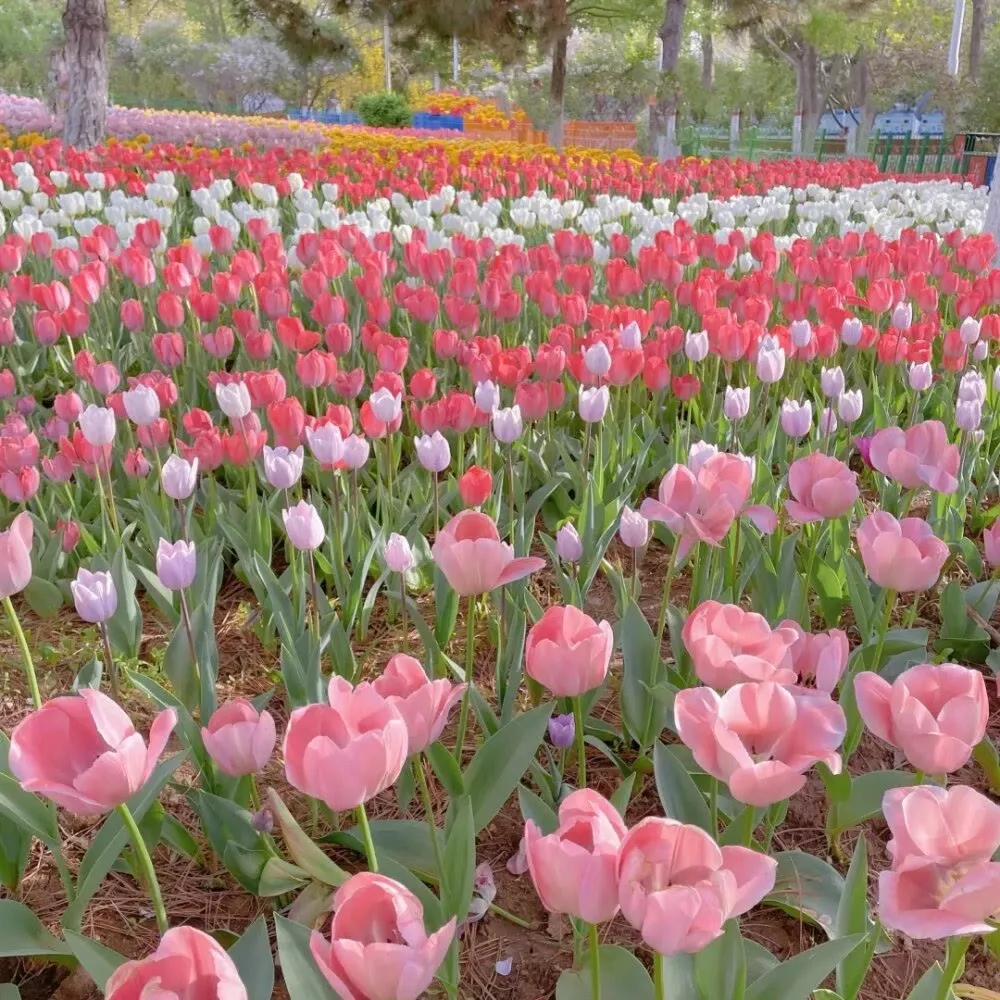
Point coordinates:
[(384, 110)]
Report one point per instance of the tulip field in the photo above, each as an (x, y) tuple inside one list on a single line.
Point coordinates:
[(441, 569)]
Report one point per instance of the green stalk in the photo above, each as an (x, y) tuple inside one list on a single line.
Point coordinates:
[(366, 836), (581, 756), (29, 663), (954, 963), (470, 638), (425, 798), (659, 980), (146, 864), (595, 963), (890, 601)]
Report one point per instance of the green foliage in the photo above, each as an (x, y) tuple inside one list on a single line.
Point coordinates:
[(29, 29), (384, 110)]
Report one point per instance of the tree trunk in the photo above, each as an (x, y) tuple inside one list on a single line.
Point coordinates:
[(707, 57), (863, 100), (559, 31), (976, 33), (86, 26), (671, 35), (807, 93)]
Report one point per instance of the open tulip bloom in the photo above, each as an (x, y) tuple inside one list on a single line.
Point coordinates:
[(512, 475)]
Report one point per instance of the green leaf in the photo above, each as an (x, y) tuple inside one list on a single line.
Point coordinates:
[(865, 800), (986, 756), (43, 597), (720, 969), (28, 811), (808, 888), (928, 987), (15, 845), (252, 957), (622, 975), (642, 714), (680, 796), (112, 838), (853, 918), (499, 764), (798, 976), (98, 960), (89, 675), (406, 840), (303, 850), (759, 960), (446, 768), (302, 977), (621, 796), (536, 809), (8, 991), (22, 933), (405, 787), (860, 595), (459, 861), (125, 625)]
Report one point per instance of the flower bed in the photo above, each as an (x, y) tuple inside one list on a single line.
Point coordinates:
[(574, 573)]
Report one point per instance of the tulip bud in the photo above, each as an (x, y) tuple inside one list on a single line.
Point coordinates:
[(696, 346), (507, 424), (800, 331), (991, 544), (433, 451), (832, 382), (262, 820), (98, 425), (233, 399), (142, 405), (633, 528), (356, 451), (920, 376), (631, 337), (968, 414), (386, 405), (475, 485), (398, 554), (849, 405), (972, 386), (94, 595), (902, 316), (981, 351), (850, 331), (796, 418), (597, 358), (176, 564), (487, 397), (594, 404), (736, 404), (569, 548), (699, 453), (828, 421), (179, 477), (562, 731), (326, 443), (969, 330), (770, 361), (282, 467), (303, 526)]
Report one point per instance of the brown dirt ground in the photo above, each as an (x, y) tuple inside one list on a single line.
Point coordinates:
[(119, 916)]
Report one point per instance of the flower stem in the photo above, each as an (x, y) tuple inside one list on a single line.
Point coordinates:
[(581, 755), (425, 798), (595, 963), (22, 642), (659, 985), (713, 802), (186, 616), (470, 638), (146, 864), (109, 660), (954, 963), (366, 836), (890, 601)]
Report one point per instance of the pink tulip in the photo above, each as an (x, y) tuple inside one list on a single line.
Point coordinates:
[(823, 488), (702, 507), (424, 704), (84, 754), (819, 655), (574, 869), (677, 887), (568, 652), (239, 738), (942, 882), (902, 555), (729, 646), (991, 544), (15, 555), (935, 714), (919, 456), (187, 965), (378, 947), (760, 738), (472, 558), (346, 752)]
